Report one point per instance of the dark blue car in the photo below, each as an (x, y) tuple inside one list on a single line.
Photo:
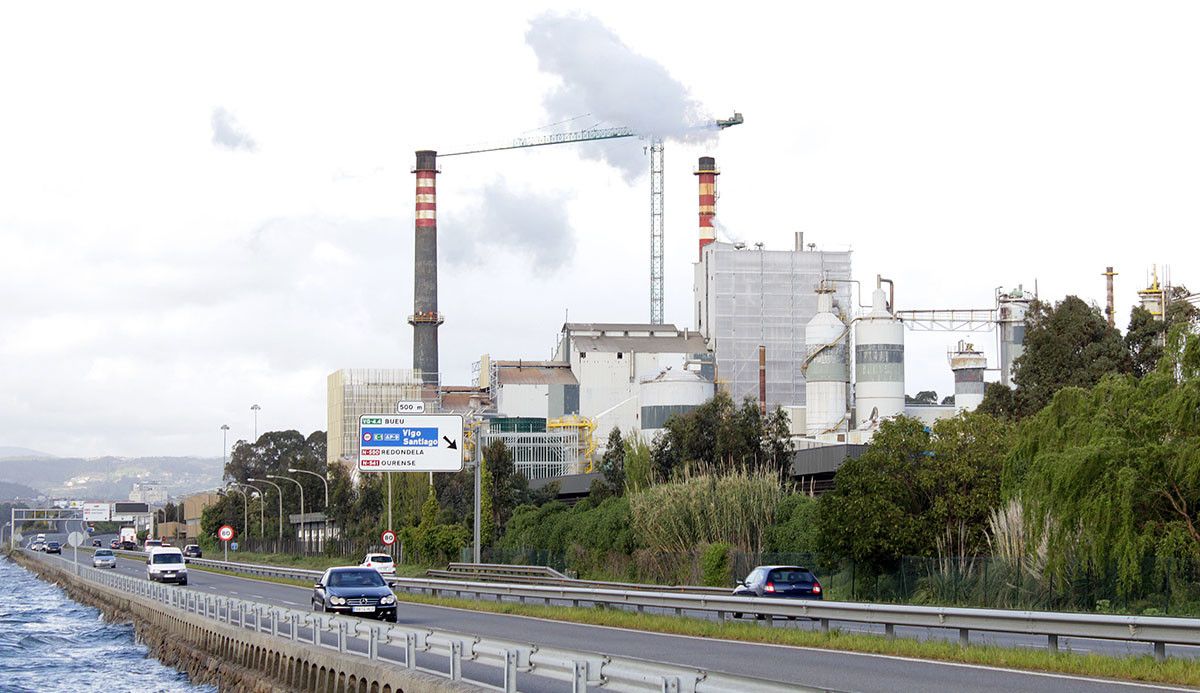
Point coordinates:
[(53, 547), (356, 591), (780, 581)]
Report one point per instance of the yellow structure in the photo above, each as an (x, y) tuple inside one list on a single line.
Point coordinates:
[(585, 428)]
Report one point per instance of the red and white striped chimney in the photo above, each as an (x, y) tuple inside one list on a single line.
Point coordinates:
[(707, 174)]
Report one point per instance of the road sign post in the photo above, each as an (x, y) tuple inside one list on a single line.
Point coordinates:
[(75, 539), (225, 533), (410, 443)]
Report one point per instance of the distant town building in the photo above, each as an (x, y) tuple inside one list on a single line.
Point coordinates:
[(353, 392), (149, 492), (192, 510)]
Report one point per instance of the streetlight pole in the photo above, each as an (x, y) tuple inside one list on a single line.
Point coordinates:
[(255, 408), (326, 507), (301, 487), (279, 495), (224, 445), (245, 505), (262, 515)]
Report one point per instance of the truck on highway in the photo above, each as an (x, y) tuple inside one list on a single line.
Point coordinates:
[(129, 539)]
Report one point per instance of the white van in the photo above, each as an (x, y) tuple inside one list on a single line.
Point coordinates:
[(166, 565)]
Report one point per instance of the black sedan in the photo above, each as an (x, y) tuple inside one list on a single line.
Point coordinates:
[(53, 547), (97, 542), (357, 591), (193, 551)]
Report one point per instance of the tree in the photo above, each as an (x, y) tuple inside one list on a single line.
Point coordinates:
[(637, 463), (718, 437), (1111, 475), (999, 401), (1066, 345), (612, 463), (509, 488), (913, 486), (1147, 334), (487, 516), (922, 397)]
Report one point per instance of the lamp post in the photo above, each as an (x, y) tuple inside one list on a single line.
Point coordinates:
[(279, 494), (301, 487), (262, 515), (326, 507), (255, 408), (224, 444), (245, 505)]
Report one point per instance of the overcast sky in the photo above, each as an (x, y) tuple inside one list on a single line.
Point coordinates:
[(205, 207)]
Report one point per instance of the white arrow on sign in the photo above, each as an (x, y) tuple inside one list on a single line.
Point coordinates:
[(410, 443)]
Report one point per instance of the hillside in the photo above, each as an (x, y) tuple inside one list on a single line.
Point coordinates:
[(8, 451), (110, 477)]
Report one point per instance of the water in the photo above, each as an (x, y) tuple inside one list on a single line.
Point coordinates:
[(50, 643)]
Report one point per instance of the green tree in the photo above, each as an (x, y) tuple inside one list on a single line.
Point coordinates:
[(1146, 336), (913, 486), (612, 463), (795, 529), (922, 397), (719, 437), (1068, 344), (508, 487), (637, 463), (487, 516)]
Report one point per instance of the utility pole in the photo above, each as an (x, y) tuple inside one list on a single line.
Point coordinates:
[(301, 487), (279, 496), (255, 408), (224, 445), (478, 489)]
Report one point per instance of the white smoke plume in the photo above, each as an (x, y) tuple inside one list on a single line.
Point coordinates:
[(226, 132), (532, 225), (603, 77)]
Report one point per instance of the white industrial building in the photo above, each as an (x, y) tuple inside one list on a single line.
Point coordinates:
[(747, 297), (532, 389), (674, 391)]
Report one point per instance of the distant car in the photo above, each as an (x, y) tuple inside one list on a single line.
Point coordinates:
[(37, 546), (114, 544), (97, 542), (104, 558), (128, 546), (381, 562), (152, 544), (53, 547), (166, 565), (779, 581), (355, 590), (193, 551)]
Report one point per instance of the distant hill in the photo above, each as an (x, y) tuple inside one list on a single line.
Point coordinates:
[(10, 491), (9, 451), (111, 477)]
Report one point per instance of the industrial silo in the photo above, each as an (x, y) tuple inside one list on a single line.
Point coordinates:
[(673, 391), (826, 373), (968, 366), (879, 362), (1011, 308)]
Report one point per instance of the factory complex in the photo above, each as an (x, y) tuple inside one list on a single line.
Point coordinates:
[(788, 329)]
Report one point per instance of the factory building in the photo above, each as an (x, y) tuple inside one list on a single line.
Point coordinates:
[(352, 392), (751, 297), (674, 391), (610, 361), (538, 389)]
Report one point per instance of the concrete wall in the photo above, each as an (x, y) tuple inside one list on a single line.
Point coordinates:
[(523, 399)]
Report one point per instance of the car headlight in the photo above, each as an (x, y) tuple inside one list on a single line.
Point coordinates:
[(337, 600), (388, 600)]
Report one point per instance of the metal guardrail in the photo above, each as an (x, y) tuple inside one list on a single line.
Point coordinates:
[(541, 575), (1156, 630), (358, 637)]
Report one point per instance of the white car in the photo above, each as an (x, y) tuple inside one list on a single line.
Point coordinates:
[(381, 562), (104, 558), (166, 565)]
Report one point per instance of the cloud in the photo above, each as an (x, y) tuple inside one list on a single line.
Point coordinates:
[(603, 77), (529, 224), (226, 132)]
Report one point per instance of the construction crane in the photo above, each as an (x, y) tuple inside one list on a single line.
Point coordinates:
[(656, 185)]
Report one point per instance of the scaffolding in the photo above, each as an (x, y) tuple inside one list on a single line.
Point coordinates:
[(585, 429), (353, 392), (545, 455), (754, 297)]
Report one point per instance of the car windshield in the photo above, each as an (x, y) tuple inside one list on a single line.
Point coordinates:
[(788, 575), (167, 558), (355, 578), (153, 542), (102, 553), (380, 559)]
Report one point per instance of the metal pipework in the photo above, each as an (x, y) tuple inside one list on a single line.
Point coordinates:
[(879, 282)]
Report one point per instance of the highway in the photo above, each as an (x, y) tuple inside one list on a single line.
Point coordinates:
[(813, 667)]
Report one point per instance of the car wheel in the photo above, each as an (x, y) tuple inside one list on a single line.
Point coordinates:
[(394, 618), (737, 614), (183, 582)]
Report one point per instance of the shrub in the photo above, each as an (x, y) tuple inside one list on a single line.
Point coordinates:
[(715, 565)]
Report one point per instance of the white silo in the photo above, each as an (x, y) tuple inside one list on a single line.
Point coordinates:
[(1011, 308), (878, 362), (673, 391), (968, 366), (825, 370)]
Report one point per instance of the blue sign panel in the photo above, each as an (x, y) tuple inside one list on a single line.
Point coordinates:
[(400, 437)]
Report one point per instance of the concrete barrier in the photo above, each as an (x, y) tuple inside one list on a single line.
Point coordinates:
[(235, 659)]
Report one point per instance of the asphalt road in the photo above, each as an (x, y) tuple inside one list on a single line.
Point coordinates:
[(821, 668)]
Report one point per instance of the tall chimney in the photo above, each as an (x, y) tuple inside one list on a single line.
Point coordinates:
[(762, 378), (707, 173), (425, 318)]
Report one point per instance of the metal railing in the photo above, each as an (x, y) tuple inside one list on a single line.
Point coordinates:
[(392, 644), (1156, 630)]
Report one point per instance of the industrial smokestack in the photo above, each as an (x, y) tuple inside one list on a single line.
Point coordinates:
[(762, 378), (425, 318), (707, 174), (1110, 309)]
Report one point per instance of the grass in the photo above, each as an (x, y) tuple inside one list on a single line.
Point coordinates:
[(1175, 670)]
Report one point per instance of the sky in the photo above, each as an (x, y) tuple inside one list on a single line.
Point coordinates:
[(208, 207)]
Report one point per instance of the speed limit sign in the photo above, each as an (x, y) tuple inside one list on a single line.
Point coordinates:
[(388, 537), (225, 533)]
